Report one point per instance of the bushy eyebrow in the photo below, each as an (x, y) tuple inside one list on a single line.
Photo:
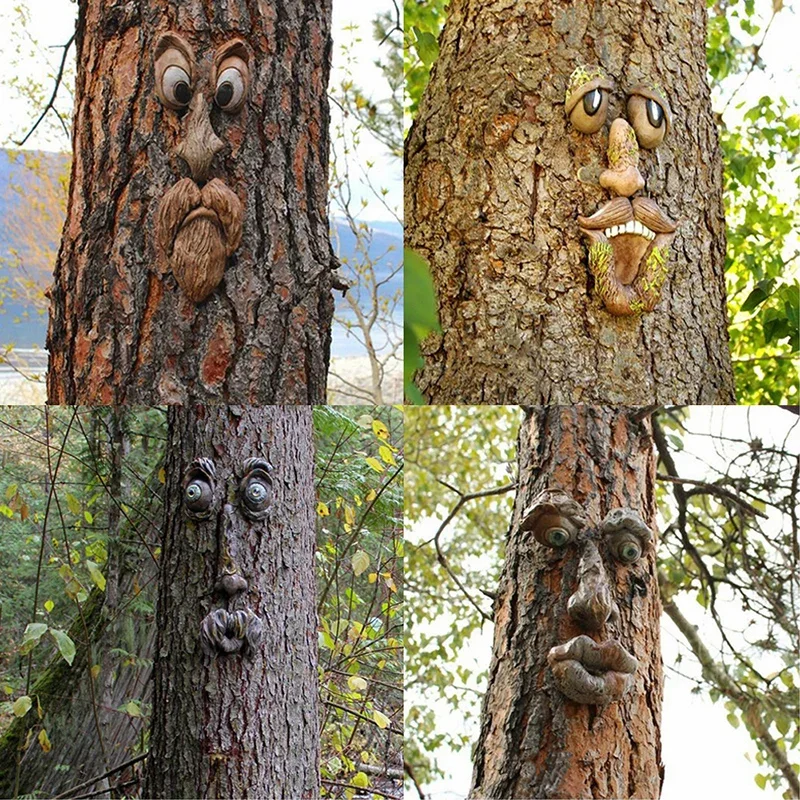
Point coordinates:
[(627, 520)]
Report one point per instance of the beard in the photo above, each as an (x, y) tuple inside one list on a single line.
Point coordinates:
[(198, 230)]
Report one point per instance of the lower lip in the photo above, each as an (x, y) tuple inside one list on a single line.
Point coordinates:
[(200, 213)]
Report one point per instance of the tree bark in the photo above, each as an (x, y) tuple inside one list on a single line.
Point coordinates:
[(241, 724), (121, 329), (496, 178), (535, 742)]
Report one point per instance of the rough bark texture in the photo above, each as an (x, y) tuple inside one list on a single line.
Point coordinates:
[(121, 330), (238, 725), (534, 742), (493, 194)]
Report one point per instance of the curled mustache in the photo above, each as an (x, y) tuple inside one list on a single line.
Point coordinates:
[(621, 210), (199, 229)]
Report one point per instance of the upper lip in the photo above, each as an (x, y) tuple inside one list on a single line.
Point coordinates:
[(200, 211), (641, 216)]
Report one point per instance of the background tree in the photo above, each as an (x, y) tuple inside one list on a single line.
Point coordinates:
[(122, 332), (758, 138), (726, 488)]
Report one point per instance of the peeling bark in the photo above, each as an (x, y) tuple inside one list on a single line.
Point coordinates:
[(121, 330), (496, 178), (534, 742), (238, 725)]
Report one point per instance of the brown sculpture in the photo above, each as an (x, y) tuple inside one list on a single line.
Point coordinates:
[(199, 223), (584, 670), (629, 239)]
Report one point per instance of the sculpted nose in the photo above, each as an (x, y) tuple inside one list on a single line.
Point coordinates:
[(592, 604), (200, 144), (622, 176)]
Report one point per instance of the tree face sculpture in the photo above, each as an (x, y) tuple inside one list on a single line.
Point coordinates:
[(199, 224), (629, 239), (585, 670)]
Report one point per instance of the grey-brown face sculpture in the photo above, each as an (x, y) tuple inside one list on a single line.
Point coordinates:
[(199, 223), (628, 238), (584, 669), (235, 627)]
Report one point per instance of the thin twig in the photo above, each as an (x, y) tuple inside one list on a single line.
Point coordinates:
[(718, 491), (69, 792)]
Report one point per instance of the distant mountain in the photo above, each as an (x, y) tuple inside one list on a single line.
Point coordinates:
[(31, 210)]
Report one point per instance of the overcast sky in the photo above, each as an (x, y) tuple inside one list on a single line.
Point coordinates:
[(37, 53)]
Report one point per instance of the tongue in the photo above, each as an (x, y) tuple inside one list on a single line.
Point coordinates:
[(628, 251)]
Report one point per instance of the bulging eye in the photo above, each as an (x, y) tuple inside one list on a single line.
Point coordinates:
[(230, 91), (255, 489), (649, 114), (198, 489), (627, 550), (586, 101), (557, 537), (176, 87)]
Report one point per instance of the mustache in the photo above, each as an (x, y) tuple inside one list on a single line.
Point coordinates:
[(621, 210), (186, 201)]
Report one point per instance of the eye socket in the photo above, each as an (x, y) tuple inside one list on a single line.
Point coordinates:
[(650, 116), (230, 90), (176, 86), (198, 489), (587, 98), (255, 489)]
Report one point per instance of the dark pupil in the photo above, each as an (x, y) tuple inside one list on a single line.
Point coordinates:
[(655, 114), (224, 93), (592, 101), (182, 92)]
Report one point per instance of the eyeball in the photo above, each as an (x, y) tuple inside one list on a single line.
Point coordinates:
[(198, 489), (649, 114), (255, 490), (557, 537), (229, 94), (586, 101), (176, 86), (626, 547)]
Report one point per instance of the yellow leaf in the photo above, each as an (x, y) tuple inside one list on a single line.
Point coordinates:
[(381, 720), (356, 683), (44, 741), (339, 501), (95, 671), (382, 663), (357, 499), (375, 464), (386, 455), (162, 476), (349, 515), (371, 495), (372, 577), (322, 509), (49, 605), (360, 779), (360, 562), (379, 429), (390, 584)]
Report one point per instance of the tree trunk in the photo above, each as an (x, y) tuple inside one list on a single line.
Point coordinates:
[(497, 177), (122, 328), (550, 729), (235, 716)]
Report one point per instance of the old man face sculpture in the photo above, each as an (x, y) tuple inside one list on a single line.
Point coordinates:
[(199, 224), (232, 627), (592, 667), (628, 238)]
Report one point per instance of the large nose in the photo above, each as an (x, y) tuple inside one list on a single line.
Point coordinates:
[(622, 176), (593, 603), (200, 144)]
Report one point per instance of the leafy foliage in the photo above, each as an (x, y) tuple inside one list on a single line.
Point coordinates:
[(421, 318)]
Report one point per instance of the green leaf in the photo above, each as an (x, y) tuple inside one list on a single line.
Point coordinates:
[(762, 291), (132, 709), (360, 562), (381, 720), (73, 504), (34, 632), (22, 705), (65, 645), (360, 779), (11, 490), (49, 605), (426, 46), (97, 576), (87, 515), (733, 720), (761, 781)]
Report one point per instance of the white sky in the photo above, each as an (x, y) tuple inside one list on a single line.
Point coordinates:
[(52, 21), (703, 754)]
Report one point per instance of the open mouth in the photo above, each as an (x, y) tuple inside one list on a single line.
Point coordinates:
[(592, 673), (629, 245)]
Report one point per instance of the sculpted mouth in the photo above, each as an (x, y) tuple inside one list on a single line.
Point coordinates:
[(200, 213), (629, 246), (592, 673)]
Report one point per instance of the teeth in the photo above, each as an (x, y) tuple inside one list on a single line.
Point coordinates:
[(635, 227)]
